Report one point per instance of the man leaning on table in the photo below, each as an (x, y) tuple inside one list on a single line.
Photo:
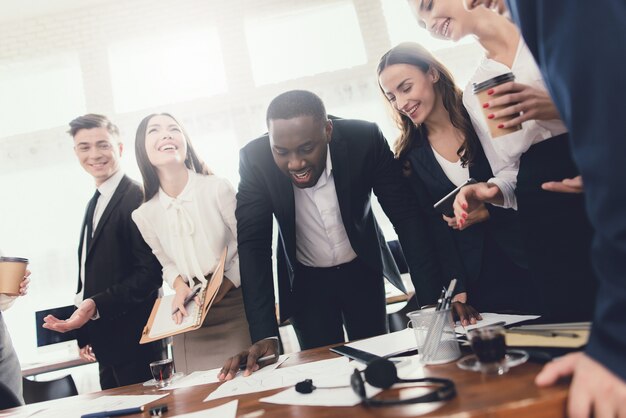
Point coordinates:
[(315, 174), (119, 277)]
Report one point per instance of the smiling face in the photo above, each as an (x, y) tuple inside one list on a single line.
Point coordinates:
[(299, 147), (410, 90), (444, 19), (99, 152), (165, 142)]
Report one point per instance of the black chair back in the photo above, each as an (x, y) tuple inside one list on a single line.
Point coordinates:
[(35, 391), (8, 399)]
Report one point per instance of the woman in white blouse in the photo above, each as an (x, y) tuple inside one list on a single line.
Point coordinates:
[(187, 218), (556, 232)]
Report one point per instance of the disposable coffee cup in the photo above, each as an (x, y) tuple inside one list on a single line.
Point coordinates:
[(480, 90), (12, 272)]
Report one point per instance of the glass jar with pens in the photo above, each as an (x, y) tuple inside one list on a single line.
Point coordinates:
[(434, 330)]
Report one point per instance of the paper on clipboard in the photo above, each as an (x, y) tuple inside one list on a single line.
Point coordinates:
[(160, 323)]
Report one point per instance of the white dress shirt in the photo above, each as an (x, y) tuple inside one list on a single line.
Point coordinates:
[(321, 238), (188, 233), (504, 152), (455, 171), (106, 189)]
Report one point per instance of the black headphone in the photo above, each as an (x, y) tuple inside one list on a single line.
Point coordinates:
[(382, 373)]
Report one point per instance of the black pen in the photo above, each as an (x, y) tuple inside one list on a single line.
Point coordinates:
[(544, 333), (194, 292), (243, 364), (114, 413), (441, 298)]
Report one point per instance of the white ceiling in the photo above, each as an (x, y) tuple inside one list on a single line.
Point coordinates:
[(14, 10)]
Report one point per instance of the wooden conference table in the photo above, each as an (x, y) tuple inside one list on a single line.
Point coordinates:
[(511, 395)]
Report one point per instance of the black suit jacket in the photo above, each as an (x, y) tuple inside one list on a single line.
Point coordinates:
[(362, 162), (590, 98), (460, 253), (123, 277)]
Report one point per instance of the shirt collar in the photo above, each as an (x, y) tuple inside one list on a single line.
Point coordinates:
[(108, 187), (184, 196)]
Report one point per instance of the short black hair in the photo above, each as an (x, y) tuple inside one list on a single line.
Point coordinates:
[(294, 103), (90, 121)]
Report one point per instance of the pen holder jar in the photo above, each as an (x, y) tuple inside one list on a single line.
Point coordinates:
[(440, 344)]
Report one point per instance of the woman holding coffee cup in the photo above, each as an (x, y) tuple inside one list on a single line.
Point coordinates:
[(527, 145), (187, 218), (440, 151), (10, 371)]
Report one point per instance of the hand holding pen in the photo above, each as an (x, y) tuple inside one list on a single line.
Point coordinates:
[(260, 354)]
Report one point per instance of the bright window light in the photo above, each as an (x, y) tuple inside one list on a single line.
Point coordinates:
[(40, 94), (310, 41), (169, 68)]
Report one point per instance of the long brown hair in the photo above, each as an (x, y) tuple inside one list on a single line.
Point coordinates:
[(148, 171), (414, 54)]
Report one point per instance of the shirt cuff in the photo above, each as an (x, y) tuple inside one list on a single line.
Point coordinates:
[(508, 192)]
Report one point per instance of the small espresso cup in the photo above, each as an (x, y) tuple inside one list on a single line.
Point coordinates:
[(162, 372), (12, 272), (481, 91), (489, 346)]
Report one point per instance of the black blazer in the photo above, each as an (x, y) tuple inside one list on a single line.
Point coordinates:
[(123, 277), (362, 162), (460, 253)]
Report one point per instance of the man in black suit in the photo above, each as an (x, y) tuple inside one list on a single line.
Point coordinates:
[(119, 277), (316, 175)]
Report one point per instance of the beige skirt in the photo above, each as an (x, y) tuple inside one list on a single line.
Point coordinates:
[(224, 333)]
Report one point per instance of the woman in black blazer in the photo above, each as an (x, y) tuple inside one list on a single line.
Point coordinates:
[(440, 150)]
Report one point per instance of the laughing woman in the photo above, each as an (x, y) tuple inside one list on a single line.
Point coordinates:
[(440, 151), (187, 218)]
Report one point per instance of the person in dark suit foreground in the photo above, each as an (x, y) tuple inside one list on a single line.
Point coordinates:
[(584, 71), (119, 277), (315, 175)]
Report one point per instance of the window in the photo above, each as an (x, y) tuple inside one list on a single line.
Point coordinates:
[(40, 94), (170, 68), (311, 41)]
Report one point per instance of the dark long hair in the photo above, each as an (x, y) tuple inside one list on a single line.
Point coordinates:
[(414, 54), (148, 172)]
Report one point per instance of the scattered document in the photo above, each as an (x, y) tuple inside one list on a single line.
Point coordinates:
[(578, 339), (75, 408), (267, 379), (387, 344), (494, 318), (206, 377), (228, 410)]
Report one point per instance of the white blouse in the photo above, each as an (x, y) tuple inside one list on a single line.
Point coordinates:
[(504, 152), (455, 172), (188, 233)]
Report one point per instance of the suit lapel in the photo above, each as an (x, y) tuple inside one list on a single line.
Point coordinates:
[(115, 200), (341, 174), (287, 221), (423, 156)]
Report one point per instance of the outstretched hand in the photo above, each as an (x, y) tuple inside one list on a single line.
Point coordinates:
[(85, 311), (574, 185), (481, 214), (595, 391), (471, 197), (250, 357)]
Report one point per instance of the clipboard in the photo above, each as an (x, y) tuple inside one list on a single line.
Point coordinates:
[(160, 324)]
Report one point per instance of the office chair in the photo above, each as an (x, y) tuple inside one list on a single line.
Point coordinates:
[(397, 321), (8, 399), (44, 391)]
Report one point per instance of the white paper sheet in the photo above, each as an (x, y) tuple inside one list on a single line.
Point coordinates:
[(228, 410), (492, 318), (163, 323), (343, 396), (210, 376), (267, 379), (74, 408), (387, 344)]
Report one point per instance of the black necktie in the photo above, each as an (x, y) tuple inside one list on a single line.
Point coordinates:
[(91, 208)]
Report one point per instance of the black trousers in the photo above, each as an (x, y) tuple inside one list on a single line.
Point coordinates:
[(350, 295), (135, 370), (556, 233)]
